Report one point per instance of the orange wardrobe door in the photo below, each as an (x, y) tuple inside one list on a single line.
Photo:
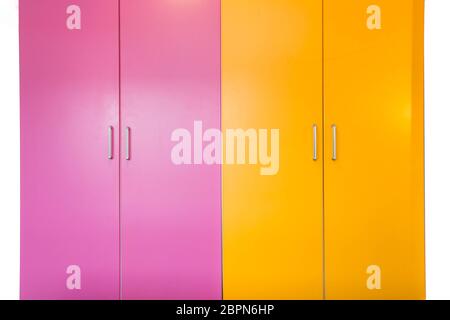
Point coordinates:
[(272, 187), (374, 188)]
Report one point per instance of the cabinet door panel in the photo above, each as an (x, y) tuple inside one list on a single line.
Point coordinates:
[(374, 217), (69, 200), (272, 79), (171, 214)]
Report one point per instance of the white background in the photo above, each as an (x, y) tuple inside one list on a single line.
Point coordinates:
[(437, 84)]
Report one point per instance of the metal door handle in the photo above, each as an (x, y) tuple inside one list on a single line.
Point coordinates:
[(127, 143), (334, 129), (315, 142), (110, 142)]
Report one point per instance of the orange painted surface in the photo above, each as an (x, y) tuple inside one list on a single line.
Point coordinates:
[(374, 191), (272, 79)]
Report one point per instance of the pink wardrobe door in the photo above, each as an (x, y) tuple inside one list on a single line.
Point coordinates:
[(170, 214), (70, 187)]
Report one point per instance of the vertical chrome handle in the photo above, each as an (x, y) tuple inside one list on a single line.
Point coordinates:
[(315, 142), (110, 142), (127, 143), (334, 129)]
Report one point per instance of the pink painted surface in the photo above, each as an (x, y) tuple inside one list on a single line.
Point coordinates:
[(170, 215), (70, 190)]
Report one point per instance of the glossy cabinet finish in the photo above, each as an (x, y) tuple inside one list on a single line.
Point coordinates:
[(70, 189), (170, 214), (374, 190), (272, 79), (107, 214)]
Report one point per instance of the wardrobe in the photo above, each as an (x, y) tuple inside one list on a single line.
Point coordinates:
[(107, 214), (344, 216)]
